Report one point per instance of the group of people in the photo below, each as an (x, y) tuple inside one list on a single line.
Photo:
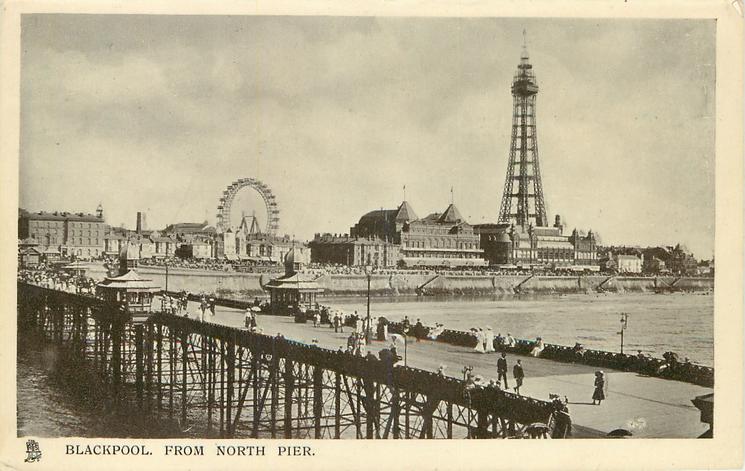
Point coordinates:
[(179, 304), (357, 344), (517, 373), (249, 321), (54, 279), (175, 304), (419, 331), (487, 342)]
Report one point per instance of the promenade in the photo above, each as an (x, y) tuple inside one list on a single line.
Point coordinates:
[(649, 407)]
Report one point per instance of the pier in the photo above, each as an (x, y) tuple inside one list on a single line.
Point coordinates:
[(233, 383)]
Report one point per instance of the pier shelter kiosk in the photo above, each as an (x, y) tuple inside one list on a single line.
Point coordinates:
[(128, 290), (294, 292)]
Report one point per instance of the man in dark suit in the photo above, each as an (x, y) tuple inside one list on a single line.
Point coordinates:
[(519, 374), (502, 370)]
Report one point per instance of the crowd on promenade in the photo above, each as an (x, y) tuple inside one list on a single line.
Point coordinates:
[(47, 277), (338, 269), (211, 264)]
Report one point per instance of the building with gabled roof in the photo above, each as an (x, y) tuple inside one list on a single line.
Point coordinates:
[(384, 224), (440, 239), (389, 237)]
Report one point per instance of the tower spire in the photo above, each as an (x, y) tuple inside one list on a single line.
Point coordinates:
[(524, 55), (525, 206)]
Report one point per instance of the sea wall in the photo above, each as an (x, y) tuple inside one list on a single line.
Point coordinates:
[(197, 281), (249, 284)]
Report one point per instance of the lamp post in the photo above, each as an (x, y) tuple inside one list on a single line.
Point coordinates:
[(369, 271), (166, 262), (406, 344), (624, 324)]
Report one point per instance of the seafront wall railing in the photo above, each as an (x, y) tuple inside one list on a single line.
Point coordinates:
[(230, 382)]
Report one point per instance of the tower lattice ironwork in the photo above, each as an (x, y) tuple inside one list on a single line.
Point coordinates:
[(526, 205)]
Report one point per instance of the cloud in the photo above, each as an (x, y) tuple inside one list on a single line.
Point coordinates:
[(337, 114)]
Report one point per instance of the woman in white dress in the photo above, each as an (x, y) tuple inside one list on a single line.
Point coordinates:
[(479, 341), (538, 348), (489, 340)]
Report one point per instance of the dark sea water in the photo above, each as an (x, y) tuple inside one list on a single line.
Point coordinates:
[(53, 403)]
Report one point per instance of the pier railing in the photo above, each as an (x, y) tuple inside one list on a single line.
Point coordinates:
[(227, 382)]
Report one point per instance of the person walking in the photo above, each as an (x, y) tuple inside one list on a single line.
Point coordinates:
[(351, 342), (316, 319), (502, 369), (418, 330), (519, 374), (488, 340), (599, 393), (212, 305), (479, 341)]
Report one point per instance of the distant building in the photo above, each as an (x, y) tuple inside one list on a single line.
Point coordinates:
[(526, 247), (113, 242), (628, 263), (441, 239), (163, 246), (384, 224), (705, 268), (190, 228), (78, 234), (682, 262), (247, 242), (353, 251), (675, 260), (29, 257), (197, 249), (389, 237)]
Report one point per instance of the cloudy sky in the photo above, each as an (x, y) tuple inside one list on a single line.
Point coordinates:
[(161, 113)]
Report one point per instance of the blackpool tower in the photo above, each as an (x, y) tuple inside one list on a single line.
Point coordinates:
[(522, 200)]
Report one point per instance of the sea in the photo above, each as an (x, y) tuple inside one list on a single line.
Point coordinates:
[(680, 322)]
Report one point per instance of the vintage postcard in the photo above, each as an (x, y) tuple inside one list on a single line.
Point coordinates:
[(253, 236)]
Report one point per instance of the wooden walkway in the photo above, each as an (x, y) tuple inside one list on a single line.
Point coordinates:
[(649, 407)]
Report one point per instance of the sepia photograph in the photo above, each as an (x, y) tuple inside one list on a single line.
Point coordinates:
[(243, 228)]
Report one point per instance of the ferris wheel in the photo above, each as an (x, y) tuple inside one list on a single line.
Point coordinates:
[(270, 202)]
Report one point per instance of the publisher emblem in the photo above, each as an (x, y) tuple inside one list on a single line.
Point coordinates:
[(33, 453)]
